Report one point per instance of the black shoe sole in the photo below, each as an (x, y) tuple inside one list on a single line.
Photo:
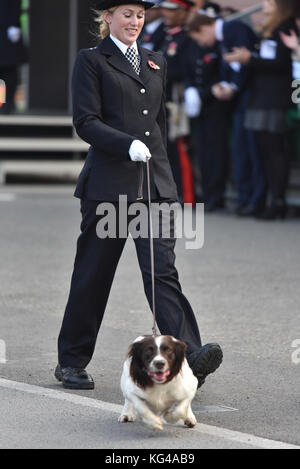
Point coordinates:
[(58, 374), (208, 362), (78, 387)]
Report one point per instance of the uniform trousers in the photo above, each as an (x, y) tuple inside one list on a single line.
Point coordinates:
[(248, 170), (94, 269), (277, 164), (212, 151)]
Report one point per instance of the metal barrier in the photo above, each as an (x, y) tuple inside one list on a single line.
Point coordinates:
[(245, 15)]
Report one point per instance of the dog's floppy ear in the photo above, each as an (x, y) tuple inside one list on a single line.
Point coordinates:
[(137, 368), (135, 348), (180, 349)]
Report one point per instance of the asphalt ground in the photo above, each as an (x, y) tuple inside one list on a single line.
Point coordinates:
[(244, 288)]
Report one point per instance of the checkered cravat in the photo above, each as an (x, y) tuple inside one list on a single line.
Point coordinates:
[(134, 59)]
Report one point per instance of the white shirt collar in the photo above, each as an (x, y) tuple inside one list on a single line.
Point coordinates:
[(219, 29), (123, 47)]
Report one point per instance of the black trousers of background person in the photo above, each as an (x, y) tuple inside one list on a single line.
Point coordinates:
[(277, 164), (94, 269), (212, 148)]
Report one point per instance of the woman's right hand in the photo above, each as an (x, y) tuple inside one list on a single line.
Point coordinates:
[(238, 54), (138, 151), (291, 41)]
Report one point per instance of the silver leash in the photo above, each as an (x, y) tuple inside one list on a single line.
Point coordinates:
[(154, 328)]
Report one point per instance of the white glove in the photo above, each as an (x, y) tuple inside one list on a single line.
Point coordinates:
[(138, 151), (13, 34), (193, 102)]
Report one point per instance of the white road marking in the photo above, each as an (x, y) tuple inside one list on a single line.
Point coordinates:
[(7, 197), (204, 409), (62, 395), (2, 352), (218, 432)]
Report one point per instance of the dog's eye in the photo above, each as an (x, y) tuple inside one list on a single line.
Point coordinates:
[(165, 348), (149, 352)]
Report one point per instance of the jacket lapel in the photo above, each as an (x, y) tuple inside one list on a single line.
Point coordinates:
[(117, 59), (146, 72)]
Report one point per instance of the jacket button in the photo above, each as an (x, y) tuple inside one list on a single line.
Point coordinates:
[(143, 91), (147, 134), (145, 112)]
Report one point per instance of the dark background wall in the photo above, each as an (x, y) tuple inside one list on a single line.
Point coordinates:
[(58, 29), (85, 24)]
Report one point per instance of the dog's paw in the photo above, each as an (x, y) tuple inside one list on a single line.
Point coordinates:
[(171, 417), (190, 422), (154, 423), (124, 418)]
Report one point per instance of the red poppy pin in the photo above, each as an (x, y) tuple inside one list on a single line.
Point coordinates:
[(153, 65), (207, 59)]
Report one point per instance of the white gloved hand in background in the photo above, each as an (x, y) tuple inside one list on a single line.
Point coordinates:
[(14, 34), (138, 151), (193, 102)]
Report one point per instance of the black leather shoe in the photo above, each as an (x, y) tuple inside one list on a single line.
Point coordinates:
[(210, 207), (74, 378), (249, 211), (207, 361), (273, 212), (239, 209)]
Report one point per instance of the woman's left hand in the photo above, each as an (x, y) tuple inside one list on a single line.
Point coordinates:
[(239, 54)]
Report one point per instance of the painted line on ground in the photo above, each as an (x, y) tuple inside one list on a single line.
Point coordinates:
[(218, 432), (207, 409), (7, 197)]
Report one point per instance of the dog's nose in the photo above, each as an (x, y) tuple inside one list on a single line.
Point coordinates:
[(159, 364)]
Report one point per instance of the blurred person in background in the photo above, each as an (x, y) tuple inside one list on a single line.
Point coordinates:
[(175, 48), (202, 6), (233, 88), (197, 5), (271, 98), (12, 50), (210, 117), (291, 40), (153, 33)]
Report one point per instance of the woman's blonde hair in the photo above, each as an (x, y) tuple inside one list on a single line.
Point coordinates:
[(285, 9), (103, 28)]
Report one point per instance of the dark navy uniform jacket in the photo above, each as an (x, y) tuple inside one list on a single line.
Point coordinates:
[(154, 39), (175, 48), (236, 34), (202, 70), (112, 106), (10, 53)]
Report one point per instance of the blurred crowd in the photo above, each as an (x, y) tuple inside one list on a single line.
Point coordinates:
[(229, 89), (13, 52)]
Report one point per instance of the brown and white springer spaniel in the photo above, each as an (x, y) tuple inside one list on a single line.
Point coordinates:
[(157, 382)]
